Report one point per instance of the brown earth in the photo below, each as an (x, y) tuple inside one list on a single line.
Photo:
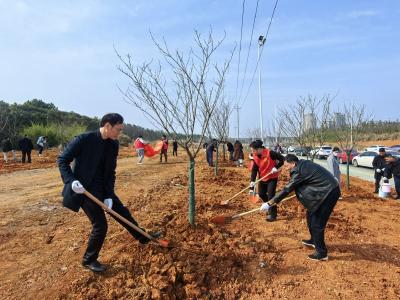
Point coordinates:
[(41, 243)]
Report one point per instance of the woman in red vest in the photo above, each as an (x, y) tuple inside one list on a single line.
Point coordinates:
[(266, 162), (139, 146)]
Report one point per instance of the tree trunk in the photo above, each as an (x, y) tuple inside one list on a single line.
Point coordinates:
[(192, 200), (348, 153), (216, 161), (224, 150)]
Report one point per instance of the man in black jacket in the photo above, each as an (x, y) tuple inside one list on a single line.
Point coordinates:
[(26, 146), (393, 168), (318, 191), (379, 165), (95, 154)]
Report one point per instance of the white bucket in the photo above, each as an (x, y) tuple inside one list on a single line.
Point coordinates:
[(384, 190), (386, 187)]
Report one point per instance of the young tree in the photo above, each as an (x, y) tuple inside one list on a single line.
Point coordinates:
[(184, 102), (219, 128), (347, 134)]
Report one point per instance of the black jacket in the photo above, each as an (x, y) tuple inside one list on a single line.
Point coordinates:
[(230, 146), (25, 144), (84, 150), (6, 145), (393, 168), (312, 184), (379, 163)]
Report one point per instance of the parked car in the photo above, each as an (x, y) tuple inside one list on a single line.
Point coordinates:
[(375, 148), (365, 159), (395, 148), (302, 151), (321, 152), (290, 149), (342, 156)]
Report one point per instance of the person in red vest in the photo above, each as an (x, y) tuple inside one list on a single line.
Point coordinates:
[(164, 149), (266, 161), (139, 146)]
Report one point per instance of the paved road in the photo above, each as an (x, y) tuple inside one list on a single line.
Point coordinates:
[(359, 172)]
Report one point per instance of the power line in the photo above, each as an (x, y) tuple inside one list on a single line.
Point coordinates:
[(240, 49), (248, 50), (258, 60)]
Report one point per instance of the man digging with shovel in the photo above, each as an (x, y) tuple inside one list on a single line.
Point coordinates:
[(266, 163), (95, 154), (318, 191)]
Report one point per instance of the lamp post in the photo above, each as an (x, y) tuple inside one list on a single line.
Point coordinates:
[(261, 41)]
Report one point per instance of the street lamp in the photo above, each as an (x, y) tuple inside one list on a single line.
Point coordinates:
[(261, 42)]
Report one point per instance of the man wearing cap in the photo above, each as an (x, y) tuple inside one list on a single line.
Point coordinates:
[(393, 168), (266, 163), (379, 165)]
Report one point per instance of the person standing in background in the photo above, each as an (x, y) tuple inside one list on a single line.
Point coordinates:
[(164, 149), (26, 146), (174, 148)]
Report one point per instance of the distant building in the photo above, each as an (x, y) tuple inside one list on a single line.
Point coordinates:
[(309, 122), (339, 120)]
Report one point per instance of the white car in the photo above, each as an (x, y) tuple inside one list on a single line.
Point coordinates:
[(375, 148), (365, 159), (321, 152), (291, 149)]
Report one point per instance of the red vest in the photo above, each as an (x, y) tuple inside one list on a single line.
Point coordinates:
[(165, 144), (139, 144), (265, 165)]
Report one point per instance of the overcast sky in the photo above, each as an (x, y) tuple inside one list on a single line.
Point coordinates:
[(62, 51)]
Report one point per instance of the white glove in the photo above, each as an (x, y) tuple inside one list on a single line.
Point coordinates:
[(252, 184), (265, 207), (108, 202), (378, 170), (77, 187), (274, 170)]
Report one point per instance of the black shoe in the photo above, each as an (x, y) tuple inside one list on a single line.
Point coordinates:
[(94, 266), (376, 192), (318, 257), (144, 240), (308, 243), (271, 218)]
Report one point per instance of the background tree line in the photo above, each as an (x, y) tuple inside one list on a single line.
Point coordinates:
[(36, 117)]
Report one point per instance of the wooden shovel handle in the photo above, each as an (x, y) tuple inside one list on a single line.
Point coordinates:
[(118, 216), (245, 189), (257, 209)]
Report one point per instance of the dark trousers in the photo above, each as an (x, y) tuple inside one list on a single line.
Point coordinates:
[(378, 178), (163, 152), (396, 179), (317, 220), (40, 148), (210, 158), (230, 155), (26, 154), (174, 152), (98, 219), (266, 191)]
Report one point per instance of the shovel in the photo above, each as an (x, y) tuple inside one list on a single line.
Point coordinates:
[(163, 243), (221, 220), (224, 203)]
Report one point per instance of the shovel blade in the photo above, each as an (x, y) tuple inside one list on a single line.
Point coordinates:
[(220, 220), (254, 198)]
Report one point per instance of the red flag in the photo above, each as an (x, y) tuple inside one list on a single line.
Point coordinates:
[(149, 151)]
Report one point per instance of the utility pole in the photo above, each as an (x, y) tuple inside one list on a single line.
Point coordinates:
[(261, 41), (237, 111)]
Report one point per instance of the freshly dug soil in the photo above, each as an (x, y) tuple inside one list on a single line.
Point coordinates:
[(41, 243)]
